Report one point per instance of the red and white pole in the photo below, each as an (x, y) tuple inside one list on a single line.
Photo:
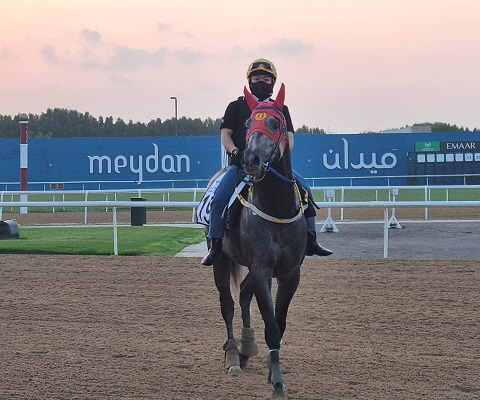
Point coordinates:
[(23, 120)]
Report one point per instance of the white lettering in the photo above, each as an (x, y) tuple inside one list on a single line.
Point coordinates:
[(179, 163), (100, 163), (139, 170), (170, 163), (153, 157), (361, 163), (335, 165), (171, 167), (118, 165)]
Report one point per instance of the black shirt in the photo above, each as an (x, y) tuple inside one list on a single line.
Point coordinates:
[(237, 114)]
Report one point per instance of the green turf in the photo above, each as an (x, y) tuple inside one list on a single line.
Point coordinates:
[(362, 195), (132, 240)]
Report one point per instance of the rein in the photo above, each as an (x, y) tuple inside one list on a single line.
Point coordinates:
[(268, 167)]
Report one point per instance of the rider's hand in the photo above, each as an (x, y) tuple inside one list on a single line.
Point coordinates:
[(236, 158)]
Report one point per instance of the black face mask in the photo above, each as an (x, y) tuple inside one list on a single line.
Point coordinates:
[(262, 90)]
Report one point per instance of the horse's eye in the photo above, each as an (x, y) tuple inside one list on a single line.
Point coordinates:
[(273, 124), (249, 123)]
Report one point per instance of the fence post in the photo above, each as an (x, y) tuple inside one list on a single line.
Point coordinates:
[(385, 232), (85, 219), (115, 233)]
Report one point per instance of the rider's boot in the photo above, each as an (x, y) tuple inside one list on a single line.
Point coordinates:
[(214, 252), (313, 248)]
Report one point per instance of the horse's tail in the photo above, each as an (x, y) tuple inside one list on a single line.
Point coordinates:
[(235, 273)]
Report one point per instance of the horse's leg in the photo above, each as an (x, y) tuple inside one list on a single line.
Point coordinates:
[(221, 272), (286, 288), (248, 345), (262, 282)]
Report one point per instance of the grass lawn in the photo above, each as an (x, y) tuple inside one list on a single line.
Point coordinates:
[(132, 240)]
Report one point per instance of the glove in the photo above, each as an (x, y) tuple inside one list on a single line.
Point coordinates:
[(236, 159)]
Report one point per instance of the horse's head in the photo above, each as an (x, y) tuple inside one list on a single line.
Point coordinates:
[(266, 133)]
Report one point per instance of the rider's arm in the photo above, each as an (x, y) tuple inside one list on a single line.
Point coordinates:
[(290, 140), (227, 141)]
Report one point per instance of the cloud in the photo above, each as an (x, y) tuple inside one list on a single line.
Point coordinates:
[(163, 27), (5, 53), (188, 56), (91, 37), (289, 47), (49, 54), (133, 58), (119, 79)]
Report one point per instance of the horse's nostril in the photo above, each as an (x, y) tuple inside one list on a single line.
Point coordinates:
[(252, 160)]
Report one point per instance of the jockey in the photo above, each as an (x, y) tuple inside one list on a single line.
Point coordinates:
[(261, 75)]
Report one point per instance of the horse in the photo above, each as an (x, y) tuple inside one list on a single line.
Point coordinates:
[(269, 239)]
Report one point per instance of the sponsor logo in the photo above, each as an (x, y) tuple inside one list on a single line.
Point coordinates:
[(423, 147)]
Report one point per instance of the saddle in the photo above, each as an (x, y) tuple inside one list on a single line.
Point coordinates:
[(232, 212), (202, 215)]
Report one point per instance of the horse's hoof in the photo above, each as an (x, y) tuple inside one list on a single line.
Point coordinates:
[(234, 370), (278, 391)]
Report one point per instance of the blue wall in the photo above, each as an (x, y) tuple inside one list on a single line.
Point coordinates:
[(366, 156)]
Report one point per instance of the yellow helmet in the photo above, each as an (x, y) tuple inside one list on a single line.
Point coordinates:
[(262, 65)]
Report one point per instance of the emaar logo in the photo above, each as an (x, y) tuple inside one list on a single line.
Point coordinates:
[(137, 165)]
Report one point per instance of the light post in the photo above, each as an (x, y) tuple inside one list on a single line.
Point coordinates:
[(176, 119)]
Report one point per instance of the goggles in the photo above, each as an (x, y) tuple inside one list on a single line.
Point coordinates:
[(262, 65)]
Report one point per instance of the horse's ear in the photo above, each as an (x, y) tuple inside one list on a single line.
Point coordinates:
[(280, 99), (251, 101)]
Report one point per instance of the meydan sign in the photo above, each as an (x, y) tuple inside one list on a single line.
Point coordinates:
[(344, 161), (135, 164)]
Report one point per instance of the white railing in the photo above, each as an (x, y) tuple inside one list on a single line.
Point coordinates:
[(202, 182), (427, 192), (61, 193), (188, 204)]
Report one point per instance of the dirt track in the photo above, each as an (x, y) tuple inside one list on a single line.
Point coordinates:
[(150, 328)]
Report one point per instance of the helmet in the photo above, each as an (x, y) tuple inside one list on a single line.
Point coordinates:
[(262, 65)]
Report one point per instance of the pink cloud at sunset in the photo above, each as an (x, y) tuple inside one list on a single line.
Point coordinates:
[(349, 66)]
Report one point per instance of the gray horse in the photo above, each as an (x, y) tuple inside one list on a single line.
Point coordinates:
[(269, 239)]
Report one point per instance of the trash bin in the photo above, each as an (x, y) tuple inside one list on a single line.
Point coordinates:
[(138, 215)]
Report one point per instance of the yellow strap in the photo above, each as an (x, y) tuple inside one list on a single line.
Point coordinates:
[(267, 217)]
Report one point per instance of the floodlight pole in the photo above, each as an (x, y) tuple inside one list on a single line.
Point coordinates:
[(176, 115)]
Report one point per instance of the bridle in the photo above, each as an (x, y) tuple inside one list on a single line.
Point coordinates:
[(282, 138)]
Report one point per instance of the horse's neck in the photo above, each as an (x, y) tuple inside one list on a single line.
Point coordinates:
[(275, 196)]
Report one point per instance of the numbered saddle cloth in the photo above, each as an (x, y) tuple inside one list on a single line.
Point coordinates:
[(203, 210)]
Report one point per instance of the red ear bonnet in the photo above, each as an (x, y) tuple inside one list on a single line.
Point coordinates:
[(251, 101), (261, 111), (280, 100)]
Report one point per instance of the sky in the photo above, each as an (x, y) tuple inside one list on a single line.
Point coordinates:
[(349, 66)]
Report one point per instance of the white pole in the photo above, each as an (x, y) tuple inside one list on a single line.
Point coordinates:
[(85, 219), (115, 235), (426, 199), (343, 199), (385, 233)]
